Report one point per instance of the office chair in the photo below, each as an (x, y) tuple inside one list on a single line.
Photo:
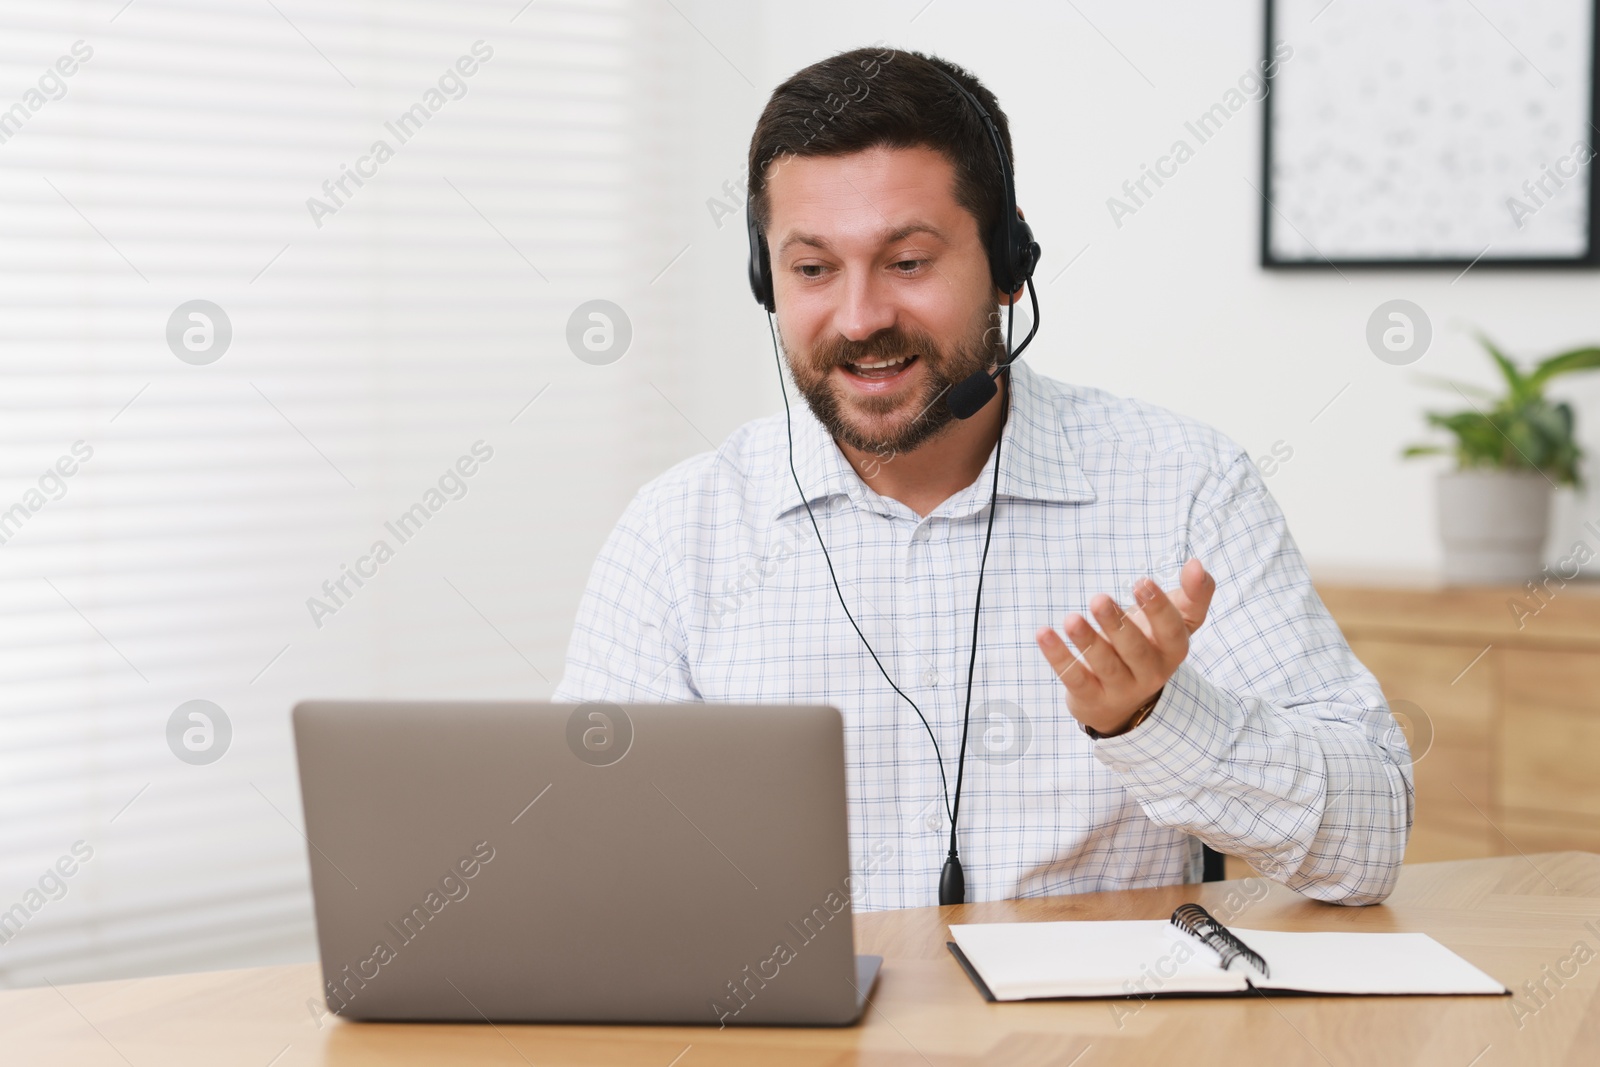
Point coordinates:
[(1213, 864)]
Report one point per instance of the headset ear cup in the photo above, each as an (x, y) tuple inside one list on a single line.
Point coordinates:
[(760, 267), (1003, 259), (1027, 252), (1013, 254)]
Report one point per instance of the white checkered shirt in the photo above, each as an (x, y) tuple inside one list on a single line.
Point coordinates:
[(1271, 742)]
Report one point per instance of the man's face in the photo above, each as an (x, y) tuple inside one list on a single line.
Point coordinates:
[(883, 291)]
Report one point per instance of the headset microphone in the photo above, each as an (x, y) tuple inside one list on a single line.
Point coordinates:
[(967, 397), (970, 394), (1013, 254)]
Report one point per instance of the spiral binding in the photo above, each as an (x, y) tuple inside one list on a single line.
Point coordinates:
[(1194, 920)]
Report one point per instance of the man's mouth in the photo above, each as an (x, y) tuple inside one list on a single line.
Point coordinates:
[(881, 370)]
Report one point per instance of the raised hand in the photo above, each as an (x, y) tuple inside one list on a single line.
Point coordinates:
[(1134, 653)]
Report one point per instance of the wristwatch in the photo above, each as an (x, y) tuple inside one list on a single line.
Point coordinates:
[(1139, 716)]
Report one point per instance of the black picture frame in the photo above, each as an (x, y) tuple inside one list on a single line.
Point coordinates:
[(1588, 261)]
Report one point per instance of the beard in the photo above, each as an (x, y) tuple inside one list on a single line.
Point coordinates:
[(898, 423)]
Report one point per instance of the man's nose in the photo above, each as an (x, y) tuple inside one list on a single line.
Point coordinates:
[(866, 307)]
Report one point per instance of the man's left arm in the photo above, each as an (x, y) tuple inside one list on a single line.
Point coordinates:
[(1268, 739)]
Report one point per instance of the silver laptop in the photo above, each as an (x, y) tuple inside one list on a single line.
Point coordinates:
[(531, 862)]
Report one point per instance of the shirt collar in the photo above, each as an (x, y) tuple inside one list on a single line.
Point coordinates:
[(1036, 461)]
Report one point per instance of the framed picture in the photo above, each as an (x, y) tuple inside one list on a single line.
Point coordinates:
[(1430, 133)]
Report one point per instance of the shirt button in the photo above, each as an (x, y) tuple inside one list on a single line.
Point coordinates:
[(930, 677)]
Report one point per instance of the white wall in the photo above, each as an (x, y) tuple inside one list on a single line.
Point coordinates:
[(1171, 306)]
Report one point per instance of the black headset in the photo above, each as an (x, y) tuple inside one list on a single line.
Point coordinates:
[(1013, 255)]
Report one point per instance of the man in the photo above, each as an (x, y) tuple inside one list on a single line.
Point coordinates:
[(1225, 709)]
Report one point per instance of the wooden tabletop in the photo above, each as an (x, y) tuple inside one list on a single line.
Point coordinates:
[(1559, 614), (1512, 916)]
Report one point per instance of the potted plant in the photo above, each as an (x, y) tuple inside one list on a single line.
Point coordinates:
[(1511, 451)]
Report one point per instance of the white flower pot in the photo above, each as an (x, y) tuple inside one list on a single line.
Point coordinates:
[(1494, 524)]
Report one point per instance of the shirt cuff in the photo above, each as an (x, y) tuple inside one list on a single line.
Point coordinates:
[(1180, 742)]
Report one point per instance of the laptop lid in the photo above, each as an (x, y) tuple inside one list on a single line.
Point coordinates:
[(590, 863)]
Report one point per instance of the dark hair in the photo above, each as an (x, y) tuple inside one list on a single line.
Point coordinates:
[(871, 97)]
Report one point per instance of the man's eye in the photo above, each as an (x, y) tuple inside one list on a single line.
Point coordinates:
[(909, 266), (806, 268)]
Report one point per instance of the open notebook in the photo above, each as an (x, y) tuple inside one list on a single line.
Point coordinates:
[(1193, 953)]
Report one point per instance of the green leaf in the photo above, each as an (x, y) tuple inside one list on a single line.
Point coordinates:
[(1563, 411), (1508, 369), (1479, 443), (1565, 363), (1447, 383)]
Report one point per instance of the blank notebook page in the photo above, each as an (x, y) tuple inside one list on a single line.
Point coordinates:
[(1091, 959), (1362, 963)]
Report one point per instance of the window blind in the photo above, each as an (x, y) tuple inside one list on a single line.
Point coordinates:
[(275, 276)]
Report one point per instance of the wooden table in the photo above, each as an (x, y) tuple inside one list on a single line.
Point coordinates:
[(1510, 915)]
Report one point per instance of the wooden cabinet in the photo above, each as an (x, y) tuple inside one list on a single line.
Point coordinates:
[(1504, 685), (1451, 717)]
